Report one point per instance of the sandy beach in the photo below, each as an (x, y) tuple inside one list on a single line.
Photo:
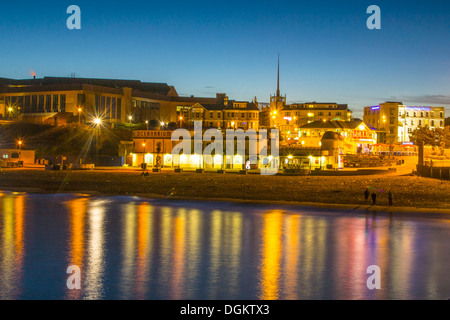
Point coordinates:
[(409, 192)]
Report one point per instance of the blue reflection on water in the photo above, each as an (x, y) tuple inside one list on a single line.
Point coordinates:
[(133, 248)]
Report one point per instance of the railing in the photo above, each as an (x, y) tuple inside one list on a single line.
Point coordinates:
[(437, 163)]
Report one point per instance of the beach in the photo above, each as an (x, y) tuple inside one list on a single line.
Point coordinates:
[(408, 191)]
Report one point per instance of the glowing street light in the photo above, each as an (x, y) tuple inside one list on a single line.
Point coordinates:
[(97, 121), (20, 143), (79, 115)]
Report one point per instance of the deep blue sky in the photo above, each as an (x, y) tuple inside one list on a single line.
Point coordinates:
[(203, 47)]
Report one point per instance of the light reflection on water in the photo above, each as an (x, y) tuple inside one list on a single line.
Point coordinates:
[(129, 248)]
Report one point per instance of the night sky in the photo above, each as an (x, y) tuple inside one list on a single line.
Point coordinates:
[(202, 47)]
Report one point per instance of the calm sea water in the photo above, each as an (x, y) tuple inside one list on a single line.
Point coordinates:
[(132, 248)]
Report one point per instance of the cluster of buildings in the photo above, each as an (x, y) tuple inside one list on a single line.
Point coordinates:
[(303, 127)]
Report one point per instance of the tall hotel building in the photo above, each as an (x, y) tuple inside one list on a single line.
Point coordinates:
[(399, 121)]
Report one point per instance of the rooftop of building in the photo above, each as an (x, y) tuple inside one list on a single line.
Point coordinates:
[(47, 83), (317, 106), (336, 124)]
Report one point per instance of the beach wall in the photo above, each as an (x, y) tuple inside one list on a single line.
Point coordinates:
[(434, 172)]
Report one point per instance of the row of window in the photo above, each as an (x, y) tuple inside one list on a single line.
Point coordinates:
[(37, 103), (421, 122), (422, 114), (108, 107), (415, 114), (230, 115), (320, 113), (145, 105)]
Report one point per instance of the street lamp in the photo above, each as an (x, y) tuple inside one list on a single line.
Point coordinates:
[(20, 142), (79, 115), (97, 121), (130, 118), (181, 122)]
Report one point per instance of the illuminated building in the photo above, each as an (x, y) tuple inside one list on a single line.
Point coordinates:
[(288, 118), (58, 101), (399, 121), (221, 113), (357, 136), (27, 157), (148, 145), (296, 115), (327, 155)]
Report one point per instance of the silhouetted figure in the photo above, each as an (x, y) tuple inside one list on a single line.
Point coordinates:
[(390, 198), (374, 198), (366, 194)]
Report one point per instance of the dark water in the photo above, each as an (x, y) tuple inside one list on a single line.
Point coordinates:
[(131, 248)]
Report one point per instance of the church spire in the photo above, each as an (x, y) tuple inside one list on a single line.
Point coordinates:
[(278, 79)]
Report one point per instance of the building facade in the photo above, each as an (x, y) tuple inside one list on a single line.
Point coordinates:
[(60, 100), (357, 136), (399, 121), (294, 116), (222, 114), (155, 148)]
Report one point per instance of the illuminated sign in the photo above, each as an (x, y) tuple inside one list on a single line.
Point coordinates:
[(288, 118), (375, 108), (419, 108), (408, 143)]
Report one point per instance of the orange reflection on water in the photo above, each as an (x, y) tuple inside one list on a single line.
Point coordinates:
[(179, 238), (128, 250), (12, 219), (271, 255), (96, 251), (143, 246), (291, 253), (77, 212)]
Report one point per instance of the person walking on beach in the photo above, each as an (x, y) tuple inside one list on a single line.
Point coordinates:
[(390, 198), (374, 198), (366, 194)]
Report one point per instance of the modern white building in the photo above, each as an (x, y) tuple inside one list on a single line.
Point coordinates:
[(399, 121)]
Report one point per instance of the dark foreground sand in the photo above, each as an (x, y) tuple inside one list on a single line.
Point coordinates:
[(408, 191)]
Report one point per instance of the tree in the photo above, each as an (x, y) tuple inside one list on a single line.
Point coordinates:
[(172, 126), (154, 124), (444, 137), (436, 137), (425, 135)]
